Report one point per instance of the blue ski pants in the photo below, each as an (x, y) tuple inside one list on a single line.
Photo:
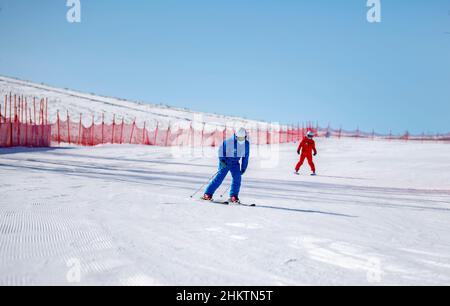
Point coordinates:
[(235, 169)]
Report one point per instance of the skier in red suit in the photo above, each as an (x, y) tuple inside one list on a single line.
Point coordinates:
[(307, 148)]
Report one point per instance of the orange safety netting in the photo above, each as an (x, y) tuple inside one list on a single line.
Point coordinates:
[(19, 128), (26, 124), (14, 134), (67, 131)]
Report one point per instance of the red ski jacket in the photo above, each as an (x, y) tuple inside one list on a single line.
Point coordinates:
[(307, 146)]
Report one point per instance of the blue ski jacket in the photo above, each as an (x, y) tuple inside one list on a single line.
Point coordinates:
[(231, 152)]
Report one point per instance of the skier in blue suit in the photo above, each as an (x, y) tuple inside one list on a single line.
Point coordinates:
[(230, 154)]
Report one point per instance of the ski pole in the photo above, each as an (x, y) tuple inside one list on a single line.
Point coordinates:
[(203, 186)]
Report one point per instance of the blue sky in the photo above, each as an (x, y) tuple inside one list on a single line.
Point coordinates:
[(287, 61)]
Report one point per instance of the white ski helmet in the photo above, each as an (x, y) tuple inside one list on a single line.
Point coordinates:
[(310, 134), (241, 135)]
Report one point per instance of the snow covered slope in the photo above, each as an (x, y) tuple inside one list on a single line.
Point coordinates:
[(379, 213), (89, 104)]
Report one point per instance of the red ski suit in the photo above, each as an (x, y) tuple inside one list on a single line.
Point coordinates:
[(307, 146)]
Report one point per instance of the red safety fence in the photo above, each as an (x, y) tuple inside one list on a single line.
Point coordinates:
[(164, 134), (25, 126), (66, 130), (24, 122), (329, 132)]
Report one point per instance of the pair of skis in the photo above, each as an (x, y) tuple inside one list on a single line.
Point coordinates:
[(228, 203), (313, 174)]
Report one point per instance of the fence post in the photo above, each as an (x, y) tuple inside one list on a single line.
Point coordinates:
[(15, 109), (1, 112), (143, 134), (167, 136), (1, 116), (79, 131), (156, 132), (43, 111), (113, 128), (22, 107), (6, 110), (26, 110), (10, 101), (10, 142), (41, 138), (19, 111), (32, 129), (18, 121), (26, 121), (46, 110), (6, 103), (103, 126), (34, 110), (121, 130), (10, 107), (57, 124), (92, 130), (40, 112), (132, 130), (68, 126), (26, 127), (31, 123), (181, 136)]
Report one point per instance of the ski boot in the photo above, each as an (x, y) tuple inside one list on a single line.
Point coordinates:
[(206, 197), (234, 200)]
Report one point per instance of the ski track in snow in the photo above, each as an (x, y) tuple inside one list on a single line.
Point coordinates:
[(124, 213)]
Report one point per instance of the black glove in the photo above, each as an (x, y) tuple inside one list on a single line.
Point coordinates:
[(315, 154), (223, 164), (243, 172), (298, 152)]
